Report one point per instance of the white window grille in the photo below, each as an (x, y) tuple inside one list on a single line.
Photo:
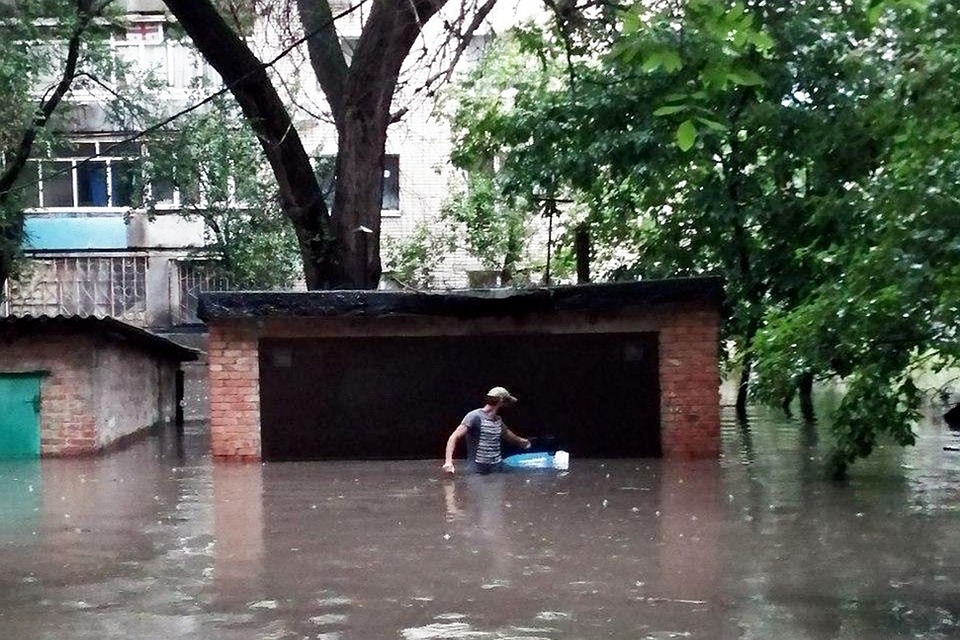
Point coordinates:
[(88, 286), (194, 278)]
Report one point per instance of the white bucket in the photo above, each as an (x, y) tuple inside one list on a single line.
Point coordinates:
[(561, 460)]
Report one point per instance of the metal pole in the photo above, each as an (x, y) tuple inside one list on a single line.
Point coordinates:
[(551, 206), (363, 238), (582, 250)]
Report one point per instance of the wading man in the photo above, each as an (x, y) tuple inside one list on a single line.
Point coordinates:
[(485, 431)]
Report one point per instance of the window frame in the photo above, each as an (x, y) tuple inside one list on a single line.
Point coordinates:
[(107, 161), (386, 213)]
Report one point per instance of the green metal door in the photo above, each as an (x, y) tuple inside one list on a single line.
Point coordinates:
[(20, 415)]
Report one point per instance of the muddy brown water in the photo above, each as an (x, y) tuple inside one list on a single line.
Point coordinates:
[(156, 541)]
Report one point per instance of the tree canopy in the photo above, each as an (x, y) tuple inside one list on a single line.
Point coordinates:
[(795, 148)]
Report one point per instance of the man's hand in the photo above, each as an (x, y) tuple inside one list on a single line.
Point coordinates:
[(525, 443), (448, 468)]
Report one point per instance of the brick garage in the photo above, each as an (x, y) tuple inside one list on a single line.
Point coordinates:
[(386, 374), (100, 380)]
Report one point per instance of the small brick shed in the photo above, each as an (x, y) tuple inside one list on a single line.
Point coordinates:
[(611, 370), (86, 382)]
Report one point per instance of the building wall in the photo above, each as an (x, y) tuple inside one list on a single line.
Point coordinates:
[(688, 366), (422, 140), (132, 391), (93, 392)]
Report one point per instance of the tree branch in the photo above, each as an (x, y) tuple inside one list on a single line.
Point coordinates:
[(326, 55), (258, 99), (86, 12), (463, 38)]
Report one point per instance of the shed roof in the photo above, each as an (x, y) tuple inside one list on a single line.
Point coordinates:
[(458, 303), (108, 328)]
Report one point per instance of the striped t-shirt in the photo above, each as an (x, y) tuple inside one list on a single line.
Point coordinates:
[(484, 433)]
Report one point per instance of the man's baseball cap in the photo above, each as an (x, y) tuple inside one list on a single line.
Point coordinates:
[(501, 394)]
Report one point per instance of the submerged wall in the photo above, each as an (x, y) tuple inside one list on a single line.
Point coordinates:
[(93, 391)]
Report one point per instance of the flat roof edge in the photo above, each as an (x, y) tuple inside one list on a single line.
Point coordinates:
[(605, 297)]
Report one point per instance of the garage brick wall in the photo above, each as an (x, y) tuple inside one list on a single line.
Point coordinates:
[(93, 392), (67, 423), (688, 352), (234, 392), (690, 385)]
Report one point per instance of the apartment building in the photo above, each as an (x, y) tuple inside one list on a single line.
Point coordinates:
[(90, 250)]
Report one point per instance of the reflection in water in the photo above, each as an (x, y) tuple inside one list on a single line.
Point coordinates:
[(156, 541), (476, 507), (21, 485), (690, 506), (238, 526)]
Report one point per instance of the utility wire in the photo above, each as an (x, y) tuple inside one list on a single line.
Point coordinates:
[(186, 110)]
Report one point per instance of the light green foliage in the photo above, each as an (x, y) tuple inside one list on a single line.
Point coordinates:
[(497, 229), (501, 204), (414, 259), (217, 165), (728, 42), (804, 151), (891, 307)]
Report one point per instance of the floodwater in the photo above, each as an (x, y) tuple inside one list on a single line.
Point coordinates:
[(156, 541)]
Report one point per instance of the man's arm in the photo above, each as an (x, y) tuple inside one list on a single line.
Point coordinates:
[(458, 433), (513, 438)]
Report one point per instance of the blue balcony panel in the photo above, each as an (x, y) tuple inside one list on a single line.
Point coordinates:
[(64, 233)]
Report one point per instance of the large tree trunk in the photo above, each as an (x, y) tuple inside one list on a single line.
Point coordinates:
[(301, 196), (364, 115), (343, 252)]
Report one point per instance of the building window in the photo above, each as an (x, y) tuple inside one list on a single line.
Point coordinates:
[(390, 200), (143, 48), (391, 183), (86, 175)]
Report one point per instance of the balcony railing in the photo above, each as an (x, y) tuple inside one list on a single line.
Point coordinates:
[(88, 286), (195, 277)]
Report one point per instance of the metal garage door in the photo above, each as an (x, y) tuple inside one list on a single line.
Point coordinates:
[(400, 397), (19, 415)]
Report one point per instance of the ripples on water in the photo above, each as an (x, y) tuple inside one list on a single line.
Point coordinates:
[(158, 542)]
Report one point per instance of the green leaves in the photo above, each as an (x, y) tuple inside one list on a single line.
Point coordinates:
[(745, 77), (788, 152), (686, 135), (413, 261), (216, 163), (666, 58), (713, 51), (670, 110), (877, 8)]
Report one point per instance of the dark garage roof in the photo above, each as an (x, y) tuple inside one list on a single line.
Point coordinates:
[(109, 328), (458, 303)]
